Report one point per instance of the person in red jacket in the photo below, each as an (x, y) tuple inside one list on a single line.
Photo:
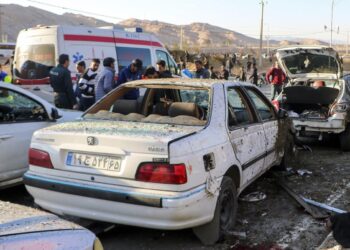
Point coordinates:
[(275, 76)]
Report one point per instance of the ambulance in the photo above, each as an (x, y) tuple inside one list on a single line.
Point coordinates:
[(38, 49)]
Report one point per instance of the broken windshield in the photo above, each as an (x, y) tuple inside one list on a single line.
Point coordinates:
[(304, 63), (159, 104)]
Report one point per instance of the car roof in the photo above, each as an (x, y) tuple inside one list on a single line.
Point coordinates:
[(185, 82), (15, 218)]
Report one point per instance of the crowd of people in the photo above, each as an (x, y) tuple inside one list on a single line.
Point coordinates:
[(91, 85)]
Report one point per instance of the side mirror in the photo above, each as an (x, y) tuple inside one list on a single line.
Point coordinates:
[(282, 114), (54, 114)]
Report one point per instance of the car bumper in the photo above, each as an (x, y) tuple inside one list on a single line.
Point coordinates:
[(327, 126), (123, 206)]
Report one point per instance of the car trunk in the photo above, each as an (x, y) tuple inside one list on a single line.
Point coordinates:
[(306, 102), (108, 148)]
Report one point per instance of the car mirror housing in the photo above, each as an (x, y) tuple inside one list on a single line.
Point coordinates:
[(54, 114)]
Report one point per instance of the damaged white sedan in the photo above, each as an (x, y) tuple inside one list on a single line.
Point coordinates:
[(316, 97), (176, 158)]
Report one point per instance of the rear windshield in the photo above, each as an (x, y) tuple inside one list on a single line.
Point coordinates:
[(310, 63), (34, 61), (156, 105)]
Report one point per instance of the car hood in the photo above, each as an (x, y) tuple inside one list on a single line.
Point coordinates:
[(310, 63)]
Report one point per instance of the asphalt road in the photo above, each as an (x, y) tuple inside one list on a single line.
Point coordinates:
[(276, 220)]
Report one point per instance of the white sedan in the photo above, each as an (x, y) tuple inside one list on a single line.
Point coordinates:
[(21, 113), (176, 158)]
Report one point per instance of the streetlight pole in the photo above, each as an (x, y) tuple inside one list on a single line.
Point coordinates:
[(331, 42), (261, 32)]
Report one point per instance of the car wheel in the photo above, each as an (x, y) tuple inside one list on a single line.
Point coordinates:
[(345, 140), (224, 215)]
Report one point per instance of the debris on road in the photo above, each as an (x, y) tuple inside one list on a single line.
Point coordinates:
[(324, 206), (303, 172), (253, 197), (314, 212), (240, 235)]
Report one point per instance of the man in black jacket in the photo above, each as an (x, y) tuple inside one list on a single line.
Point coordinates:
[(61, 82), (163, 72)]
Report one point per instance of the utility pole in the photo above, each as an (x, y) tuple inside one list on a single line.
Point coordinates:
[(181, 37), (331, 42), (1, 23), (347, 43), (261, 31)]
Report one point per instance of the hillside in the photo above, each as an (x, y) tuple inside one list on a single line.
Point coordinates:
[(16, 17)]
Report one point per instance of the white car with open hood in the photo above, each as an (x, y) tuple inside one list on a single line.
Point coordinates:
[(316, 97), (21, 113), (175, 158)]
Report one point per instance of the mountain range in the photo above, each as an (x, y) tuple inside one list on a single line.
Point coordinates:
[(200, 35)]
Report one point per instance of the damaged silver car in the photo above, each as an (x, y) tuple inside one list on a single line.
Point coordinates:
[(316, 97)]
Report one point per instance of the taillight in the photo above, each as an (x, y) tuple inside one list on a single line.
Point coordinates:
[(276, 104), (162, 173), (39, 158)]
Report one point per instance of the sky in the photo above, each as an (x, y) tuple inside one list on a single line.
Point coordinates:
[(282, 18)]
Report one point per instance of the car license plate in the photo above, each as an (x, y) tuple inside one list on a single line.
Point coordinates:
[(103, 162)]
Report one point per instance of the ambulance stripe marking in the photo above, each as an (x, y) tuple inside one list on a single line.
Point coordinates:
[(105, 39)]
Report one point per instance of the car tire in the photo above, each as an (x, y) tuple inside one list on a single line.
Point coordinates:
[(224, 215), (345, 140)]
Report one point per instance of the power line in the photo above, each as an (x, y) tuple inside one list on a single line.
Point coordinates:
[(80, 11)]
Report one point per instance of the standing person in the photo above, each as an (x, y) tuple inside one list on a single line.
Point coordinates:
[(10, 62), (163, 72), (275, 76), (87, 84), (254, 75), (201, 72), (80, 67), (213, 75), (131, 73), (105, 80), (150, 73), (3, 74), (242, 75), (61, 82), (223, 73)]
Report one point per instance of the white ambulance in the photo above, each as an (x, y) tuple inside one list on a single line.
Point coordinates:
[(38, 49)]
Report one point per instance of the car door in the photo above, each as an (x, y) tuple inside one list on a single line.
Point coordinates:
[(20, 116), (268, 117), (246, 134)]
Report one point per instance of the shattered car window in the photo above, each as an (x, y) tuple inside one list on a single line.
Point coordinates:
[(200, 97), (166, 105), (310, 63)]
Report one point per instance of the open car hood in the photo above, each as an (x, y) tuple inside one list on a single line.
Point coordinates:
[(310, 63)]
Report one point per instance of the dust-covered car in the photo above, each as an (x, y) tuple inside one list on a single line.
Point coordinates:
[(316, 97), (24, 228), (21, 113), (175, 158)]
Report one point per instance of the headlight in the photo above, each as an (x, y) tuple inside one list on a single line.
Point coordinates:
[(98, 244), (340, 108)]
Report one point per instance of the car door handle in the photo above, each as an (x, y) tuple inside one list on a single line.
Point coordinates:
[(5, 137)]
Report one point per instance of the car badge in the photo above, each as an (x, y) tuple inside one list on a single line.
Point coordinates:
[(91, 140)]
